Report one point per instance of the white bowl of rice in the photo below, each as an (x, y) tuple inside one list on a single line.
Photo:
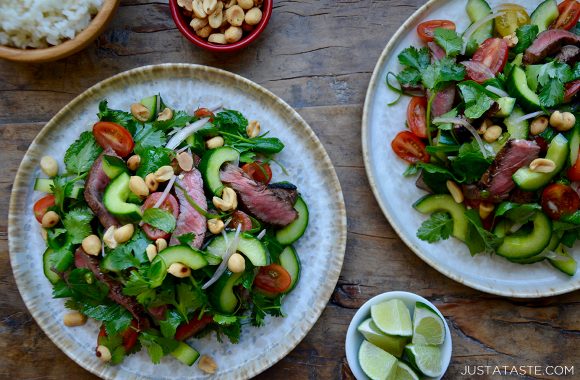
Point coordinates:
[(47, 30)]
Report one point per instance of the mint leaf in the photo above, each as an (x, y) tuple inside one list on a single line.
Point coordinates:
[(81, 155), (231, 121), (449, 40), (160, 219), (479, 240), (415, 58), (526, 35), (78, 224), (438, 227)]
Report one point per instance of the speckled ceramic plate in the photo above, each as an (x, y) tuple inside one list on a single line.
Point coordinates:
[(321, 249), (396, 193)]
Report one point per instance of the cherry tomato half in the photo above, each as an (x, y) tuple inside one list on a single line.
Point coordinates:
[(416, 116), (559, 200), (130, 336), (426, 30), (258, 171), (112, 135), (240, 218), (572, 88), (169, 204), (574, 171), (512, 17), (569, 15), (42, 205), (409, 147), (195, 325), (273, 279), (204, 112), (493, 53)]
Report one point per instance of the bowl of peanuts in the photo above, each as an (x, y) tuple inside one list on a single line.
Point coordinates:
[(221, 25)]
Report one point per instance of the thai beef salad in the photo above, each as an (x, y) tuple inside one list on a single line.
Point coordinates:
[(166, 225), (494, 130)]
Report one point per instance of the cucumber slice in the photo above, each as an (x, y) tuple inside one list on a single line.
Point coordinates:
[(45, 185), (294, 230), (59, 261), (185, 354), (506, 106), (248, 245), (444, 202), (522, 246), (516, 130), (558, 152), (115, 199), (545, 14), (291, 262), (566, 264), (517, 85), (532, 73), (185, 255), (210, 166), (574, 144), (150, 103), (221, 294), (476, 10), (552, 245), (113, 166)]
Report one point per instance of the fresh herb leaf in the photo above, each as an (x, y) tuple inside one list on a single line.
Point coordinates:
[(152, 159), (409, 77), (186, 239), (231, 121), (449, 40), (78, 224), (136, 284), (157, 346), (225, 319), (479, 240), (160, 219), (180, 119), (526, 35), (518, 213), (552, 93), (418, 59), (85, 287), (576, 71), (119, 259), (169, 325), (232, 330), (116, 317), (189, 299), (263, 305), (61, 189), (411, 171), (477, 99), (469, 165), (438, 227), (551, 78), (82, 153), (147, 136), (441, 72), (123, 118)]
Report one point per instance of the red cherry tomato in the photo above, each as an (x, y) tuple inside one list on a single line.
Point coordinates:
[(241, 218), (204, 112), (273, 279), (130, 336), (559, 200), (42, 205), (409, 147), (169, 204), (112, 135), (259, 171), (493, 53), (569, 15), (574, 171), (571, 90), (416, 116), (426, 30), (195, 325)]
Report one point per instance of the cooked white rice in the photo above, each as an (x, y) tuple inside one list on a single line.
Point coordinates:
[(42, 23)]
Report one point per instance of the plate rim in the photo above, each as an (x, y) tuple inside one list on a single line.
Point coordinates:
[(369, 98), (20, 186)]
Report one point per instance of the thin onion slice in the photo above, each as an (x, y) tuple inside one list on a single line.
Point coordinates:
[(261, 234), (230, 250), (468, 126), (473, 28), (185, 132), (478, 67), (529, 116), (498, 91), (165, 192)]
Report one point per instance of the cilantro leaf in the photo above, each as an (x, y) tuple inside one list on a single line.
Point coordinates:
[(160, 219), (119, 259), (551, 78), (479, 240), (449, 40), (78, 224), (552, 94), (169, 325), (418, 59), (85, 287), (442, 72), (263, 305), (477, 99), (438, 227), (157, 346), (136, 284), (470, 163), (123, 118), (576, 71), (411, 170), (81, 155), (147, 136), (409, 76), (189, 299), (526, 35), (186, 239), (152, 159), (230, 326), (116, 317)]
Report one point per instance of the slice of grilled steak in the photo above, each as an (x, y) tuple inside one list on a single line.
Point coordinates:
[(569, 54), (443, 101), (190, 220), (549, 42), (498, 178), (285, 190), (95, 185), (83, 260), (260, 201)]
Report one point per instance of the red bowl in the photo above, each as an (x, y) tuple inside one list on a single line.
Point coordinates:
[(183, 21)]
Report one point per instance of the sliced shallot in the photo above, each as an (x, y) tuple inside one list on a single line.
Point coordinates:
[(185, 132), (232, 247)]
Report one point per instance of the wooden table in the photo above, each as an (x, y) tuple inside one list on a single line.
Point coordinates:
[(318, 56)]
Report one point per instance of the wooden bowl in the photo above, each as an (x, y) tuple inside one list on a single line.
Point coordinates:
[(85, 37)]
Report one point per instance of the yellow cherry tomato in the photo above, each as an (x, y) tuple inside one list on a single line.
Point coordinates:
[(512, 18)]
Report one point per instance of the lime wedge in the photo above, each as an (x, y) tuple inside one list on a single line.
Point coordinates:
[(404, 372), (392, 317), (428, 327), (376, 363), (394, 345), (426, 359)]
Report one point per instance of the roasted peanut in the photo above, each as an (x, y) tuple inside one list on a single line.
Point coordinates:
[(92, 245), (539, 125), (179, 270), (246, 4), (166, 114), (215, 19), (233, 34), (492, 133), (124, 233), (230, 3), (164, 173), (140, 112), (151, 251), (109, 237), (236, 263), (50, 219), (484, 125), (253, 129), (542, 165), (217, 38), (562, 121), (197, 7), (235, 15), (253, 16), (485, 209), (49, 166), (228, 201), (133, 162), (215, 142), (103, 353), (185, 4), (209, 6), (207, 364), (185, 161), (138, 186), (198, 23), (74, 318), (455, 191), (215, 226), (161, 244), (205, 31), (511, 40), (151, 182)]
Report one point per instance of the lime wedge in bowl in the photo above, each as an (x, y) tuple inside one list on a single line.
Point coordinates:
[(404, 372), (394, 345), (392, 317), (426, 359), (428, 327), (377, 364)]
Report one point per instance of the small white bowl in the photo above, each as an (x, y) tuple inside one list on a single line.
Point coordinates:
[(354, 339)]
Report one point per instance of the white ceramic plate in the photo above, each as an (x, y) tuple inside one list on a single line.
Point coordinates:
[(321, 249), (396, 193)]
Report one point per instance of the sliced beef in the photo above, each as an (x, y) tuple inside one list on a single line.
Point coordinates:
[(95, 185), (259, 200), (498, 178), (83, 260), (572, 89), (549, 42), (443, 101), (569, 54), (285, 190), (190, 220), (437, 52)]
